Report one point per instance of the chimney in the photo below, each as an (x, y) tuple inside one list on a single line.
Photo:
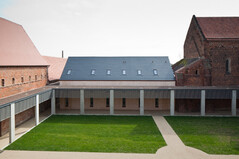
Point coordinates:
[(62, 54)]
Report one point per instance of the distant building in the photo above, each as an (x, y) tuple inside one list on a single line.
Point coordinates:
[(56, 66), (211, 53), (119, 73), (22, 68)]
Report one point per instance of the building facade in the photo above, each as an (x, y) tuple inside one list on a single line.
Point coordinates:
[(22, 68), (211, 53), (119, 73)]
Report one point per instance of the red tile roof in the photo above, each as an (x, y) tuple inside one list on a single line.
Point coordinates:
[(16, 48), (219, 27), (56, 67)]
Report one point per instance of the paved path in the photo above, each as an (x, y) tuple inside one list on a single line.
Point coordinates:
[(175, 149)]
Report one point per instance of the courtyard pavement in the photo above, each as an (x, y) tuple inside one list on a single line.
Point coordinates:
[(175, 149)]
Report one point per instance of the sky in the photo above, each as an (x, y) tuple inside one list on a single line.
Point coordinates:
[(111, 27)]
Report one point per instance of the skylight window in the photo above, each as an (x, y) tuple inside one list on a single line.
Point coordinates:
[(139, 72), (124, 72), (93, 72), (155, 72), (68, 72), (108, 72)]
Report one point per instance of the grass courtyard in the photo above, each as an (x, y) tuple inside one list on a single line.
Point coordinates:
[(213, 135), (129, 134)]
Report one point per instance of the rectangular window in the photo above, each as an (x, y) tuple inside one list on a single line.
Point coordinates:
[(139, 102), (123, 102), (108, 72), (123, 72), (156, 102), (35, 77), (228, 66), (91, 102), (3, 83), (30, 78), (13, 80), (155, 72), (22, 79), (93, 72), (69, 72), (139, 72), (66, 102), (107, 102)]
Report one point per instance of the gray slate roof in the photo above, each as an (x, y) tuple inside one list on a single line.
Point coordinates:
[(81, 67)]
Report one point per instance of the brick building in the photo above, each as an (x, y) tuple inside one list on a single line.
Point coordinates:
[(22, 68), (211, 53)]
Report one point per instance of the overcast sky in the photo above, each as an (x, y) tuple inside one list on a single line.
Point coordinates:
[(111, 27)]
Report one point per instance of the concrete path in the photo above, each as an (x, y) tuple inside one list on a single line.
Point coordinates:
[(175, 149)]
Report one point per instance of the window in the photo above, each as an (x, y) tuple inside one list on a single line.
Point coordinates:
[(108, 72), (3, 83), (68, 72), (35, 77), (124, 72), (197, 72), (93, 72), (30, 78), (156, 102), (13, 80), (22, 79), (123, 102), (139, 72), (91, 102), (155, 72), (107, 102), (228, 66), (66, 102), (139, 102)]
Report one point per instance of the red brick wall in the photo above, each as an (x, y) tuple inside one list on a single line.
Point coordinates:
[(217, 52), (194, 105), (193, 45), (214, 54), (7, 73)]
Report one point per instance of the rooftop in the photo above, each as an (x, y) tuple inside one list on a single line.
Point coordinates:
[(56, 67), (219, 27), (117, 68), (16, 48)]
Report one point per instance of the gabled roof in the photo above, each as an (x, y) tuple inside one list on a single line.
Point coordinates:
[(56, 67), (16, 48), (183, 63), (80, 68), (219, 27)]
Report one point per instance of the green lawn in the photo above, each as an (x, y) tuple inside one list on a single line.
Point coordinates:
[(213, 135), (133, 134)]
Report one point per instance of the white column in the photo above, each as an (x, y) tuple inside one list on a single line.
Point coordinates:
[(82, 101), (12, 124), (53, 103), (112, 102), (203, 100), (141, 102), (37, 110), (234, 102), (172, 102)]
